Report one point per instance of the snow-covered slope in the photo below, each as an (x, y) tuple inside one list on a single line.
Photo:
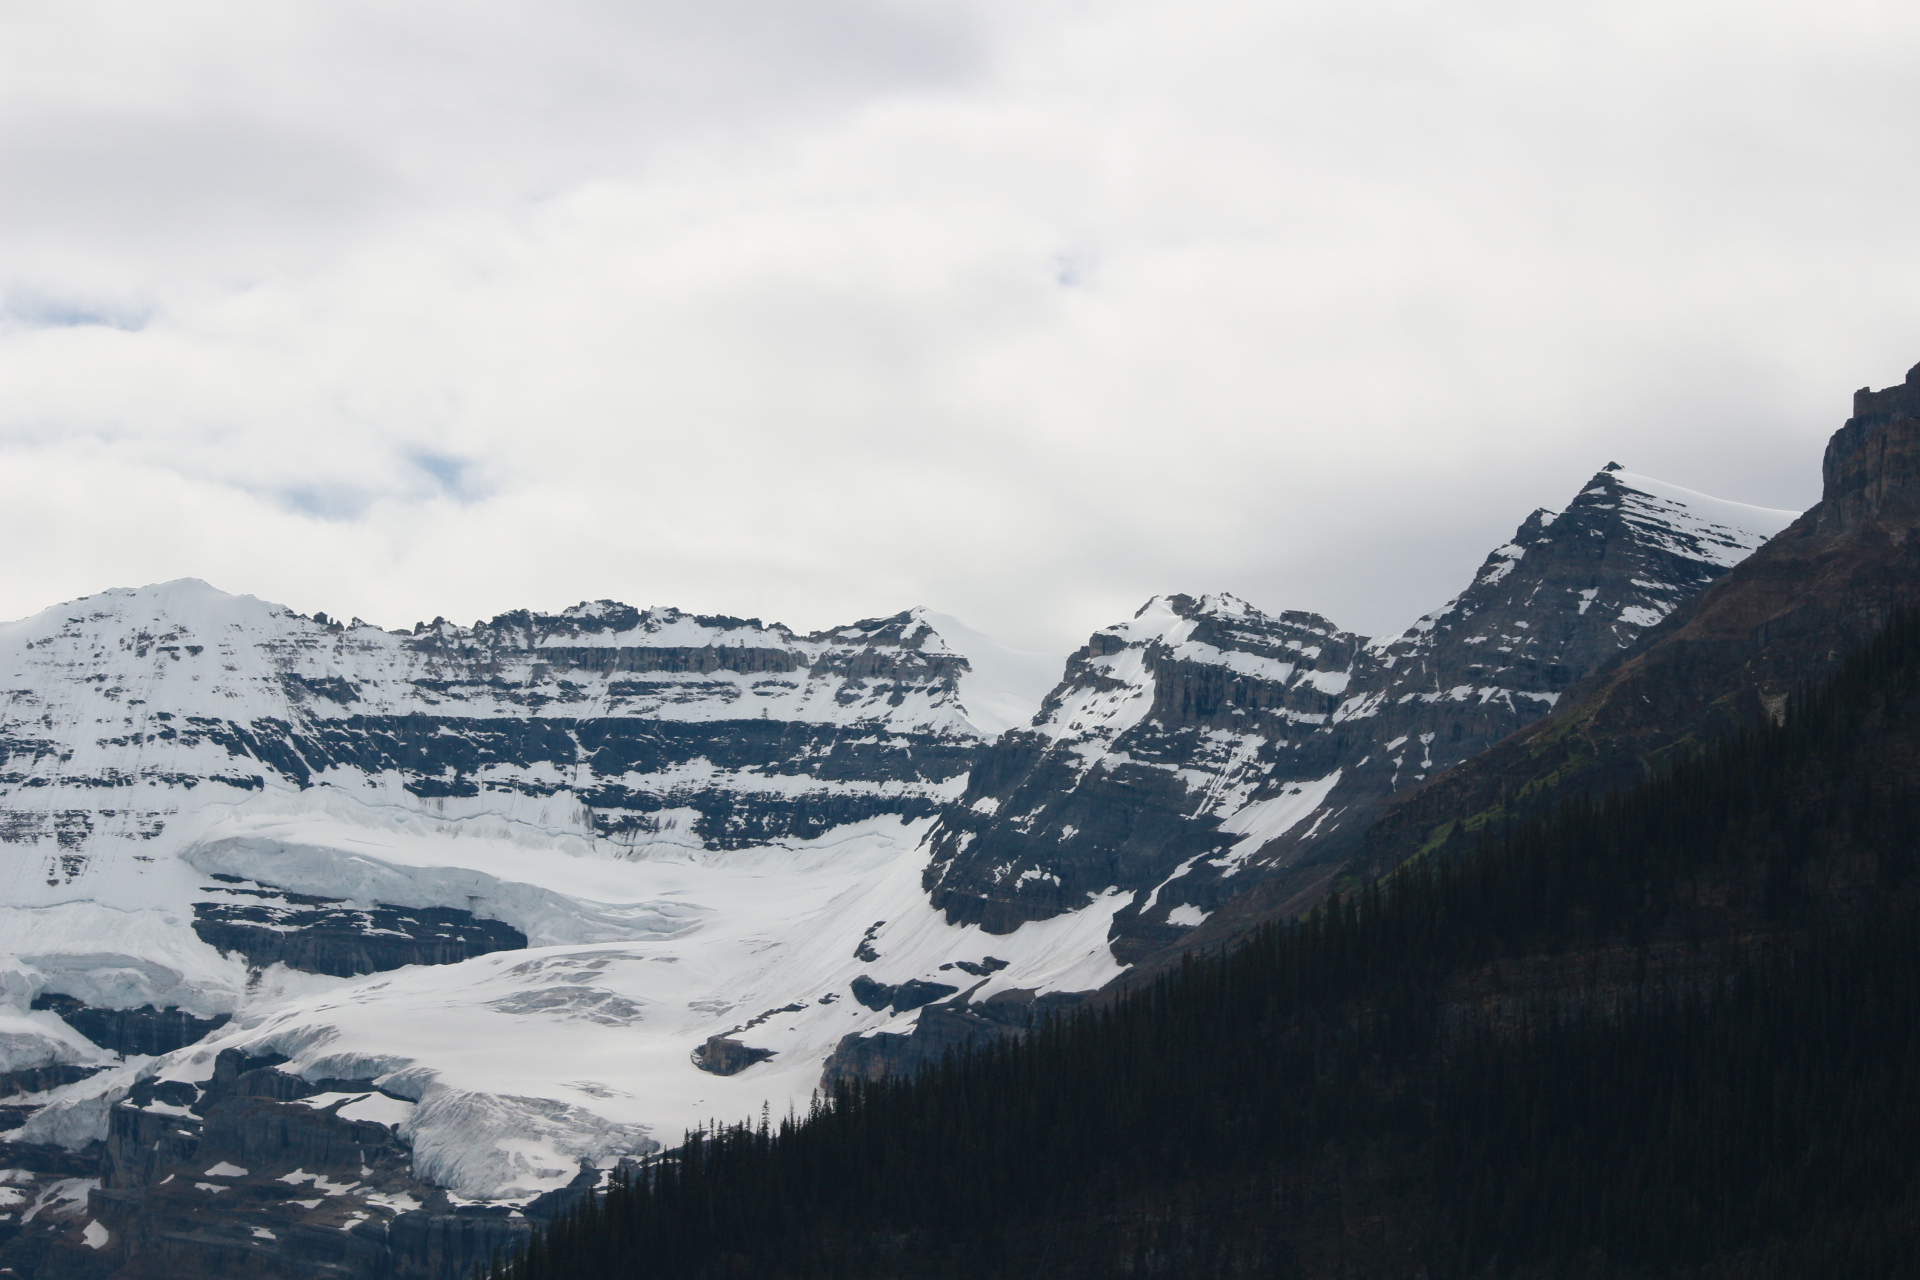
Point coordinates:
[(1157, 741), (1001, 687), (525, 1062), (600, 837), (1205, 744)]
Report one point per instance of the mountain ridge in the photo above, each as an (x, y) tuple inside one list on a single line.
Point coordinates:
[(695, 857), (1234, 745), (1784, 616)]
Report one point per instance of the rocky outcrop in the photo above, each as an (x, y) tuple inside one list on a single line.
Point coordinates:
[(1566, 596), (1162, 729), (901, 997), (145, 1030), (725, 1056), (330, 935), (1205, 745), (39, 1079), (941, 1029)]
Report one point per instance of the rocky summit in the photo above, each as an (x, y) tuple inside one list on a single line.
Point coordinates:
[(335, 950), (1205, 745)]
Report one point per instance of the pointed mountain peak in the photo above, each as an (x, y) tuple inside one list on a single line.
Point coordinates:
[(1214, 604), (183, 602), (1531, 530)]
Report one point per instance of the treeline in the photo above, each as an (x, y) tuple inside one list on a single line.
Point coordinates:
[(1668, 1032)]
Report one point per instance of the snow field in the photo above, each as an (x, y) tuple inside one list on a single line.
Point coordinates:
[(524, 1063)]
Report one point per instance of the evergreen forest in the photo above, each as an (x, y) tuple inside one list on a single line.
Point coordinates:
[(1671, 1031)]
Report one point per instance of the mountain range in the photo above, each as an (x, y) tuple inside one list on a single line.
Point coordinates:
[(337, 950), (1631, 994)]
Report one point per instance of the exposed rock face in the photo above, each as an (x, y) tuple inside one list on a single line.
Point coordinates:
[(1569, 594), (1781, 618), (1162, 730), (44, 1209), (333, 936), (940, 1029), (1205, 745), (901, 997), (145, 1030), (28, 1080), (725, 1056)]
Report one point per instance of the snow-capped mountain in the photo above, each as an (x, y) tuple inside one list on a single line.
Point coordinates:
[(424, 923), (536, 879), (1163, 731), (161, 737), (1204, 744)]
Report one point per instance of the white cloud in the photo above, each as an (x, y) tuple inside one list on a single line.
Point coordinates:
[(1024, 311)]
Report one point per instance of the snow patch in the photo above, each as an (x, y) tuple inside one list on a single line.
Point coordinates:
[(1266, 820), (1714, 529), (1002, 688)]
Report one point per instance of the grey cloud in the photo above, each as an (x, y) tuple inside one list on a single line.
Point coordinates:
[(245, 127), (1021, 311), (144, 182)]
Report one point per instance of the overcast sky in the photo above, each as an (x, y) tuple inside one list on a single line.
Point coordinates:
[(1022, 309)]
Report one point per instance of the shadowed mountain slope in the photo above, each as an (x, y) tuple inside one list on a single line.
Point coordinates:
[(1784, 616)]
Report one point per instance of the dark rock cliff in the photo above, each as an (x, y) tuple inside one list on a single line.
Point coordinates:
[(145, 1030), (1205, 745), (330, 935), (1101, 792)]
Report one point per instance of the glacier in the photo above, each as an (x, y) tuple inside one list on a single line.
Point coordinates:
[(172, 746)]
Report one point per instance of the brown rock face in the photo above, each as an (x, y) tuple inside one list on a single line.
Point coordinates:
[(725, 1056), (1871, 472)]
